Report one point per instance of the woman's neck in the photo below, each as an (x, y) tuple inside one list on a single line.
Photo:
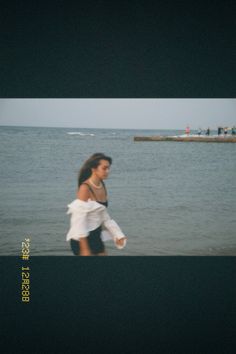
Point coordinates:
[(95, 180)]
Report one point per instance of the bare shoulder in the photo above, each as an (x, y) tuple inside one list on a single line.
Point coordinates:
[(83, 192)]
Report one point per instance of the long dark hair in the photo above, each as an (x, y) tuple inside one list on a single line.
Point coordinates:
[(92, 162)]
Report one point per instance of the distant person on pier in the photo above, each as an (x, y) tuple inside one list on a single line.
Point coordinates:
[(187, 130), (220, 130), (199, 131), (208, 131), (225, 131)]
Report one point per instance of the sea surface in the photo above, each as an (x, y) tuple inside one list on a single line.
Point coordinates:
[(169, 198)]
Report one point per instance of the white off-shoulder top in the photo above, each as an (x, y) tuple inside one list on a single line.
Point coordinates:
[(87, 216)]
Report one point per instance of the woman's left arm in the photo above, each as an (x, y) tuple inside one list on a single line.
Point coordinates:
[(114, 229)]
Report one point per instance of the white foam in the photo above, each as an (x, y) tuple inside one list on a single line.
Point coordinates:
[(79, 133)]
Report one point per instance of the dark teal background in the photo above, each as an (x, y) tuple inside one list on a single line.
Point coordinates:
[(167, 304), (118, 49)]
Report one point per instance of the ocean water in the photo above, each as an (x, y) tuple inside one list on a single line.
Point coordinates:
[(169, 198)]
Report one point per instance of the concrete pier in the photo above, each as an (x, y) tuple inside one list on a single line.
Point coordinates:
[(199, 139)]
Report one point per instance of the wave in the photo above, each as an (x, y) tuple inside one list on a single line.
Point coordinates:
[(79, 133)]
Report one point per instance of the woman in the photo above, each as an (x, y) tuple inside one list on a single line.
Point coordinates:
[(90, 222)]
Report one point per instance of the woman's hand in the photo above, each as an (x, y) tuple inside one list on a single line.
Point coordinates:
[(120, 242)]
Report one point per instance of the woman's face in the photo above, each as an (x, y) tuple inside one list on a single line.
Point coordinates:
[(103, 169)]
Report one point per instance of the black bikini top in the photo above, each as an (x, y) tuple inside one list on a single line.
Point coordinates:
[(103, 203)]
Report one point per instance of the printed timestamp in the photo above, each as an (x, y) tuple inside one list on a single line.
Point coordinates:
[(25, 271)]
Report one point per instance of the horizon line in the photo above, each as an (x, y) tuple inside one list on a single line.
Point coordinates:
[(42, 126)]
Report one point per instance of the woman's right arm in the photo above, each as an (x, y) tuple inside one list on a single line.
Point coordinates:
[(83, 194)]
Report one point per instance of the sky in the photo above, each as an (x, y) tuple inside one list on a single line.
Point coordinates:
[(119, 113)]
